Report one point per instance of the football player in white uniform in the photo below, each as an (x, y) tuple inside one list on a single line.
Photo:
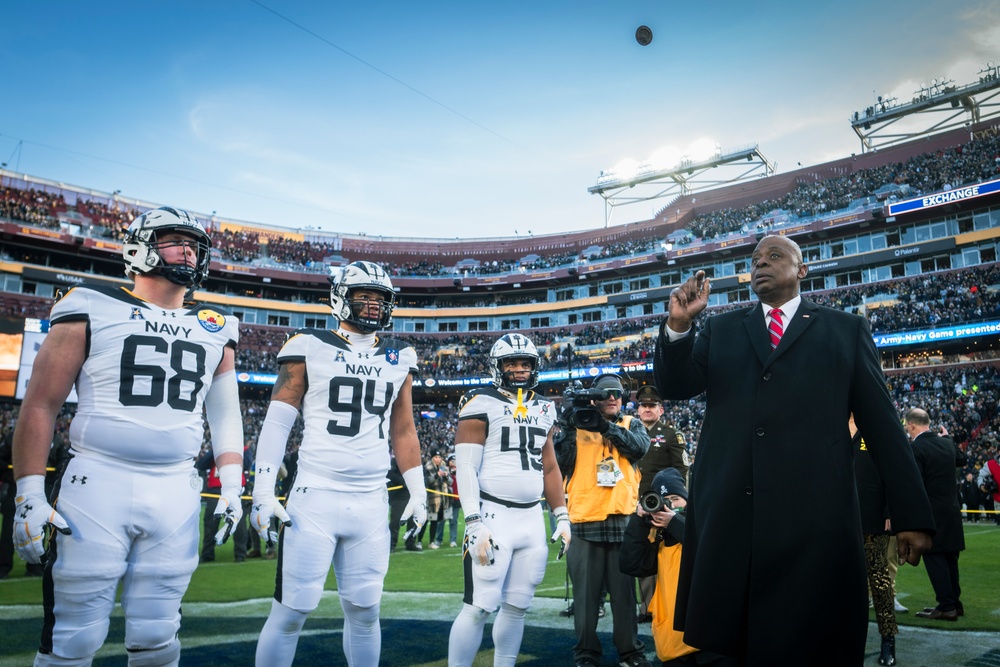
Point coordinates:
[(354, 388), (505, 462), (144, 362)]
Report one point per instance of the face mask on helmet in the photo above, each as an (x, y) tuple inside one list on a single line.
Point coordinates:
[(144, 244), (513, 346), (362, 295)]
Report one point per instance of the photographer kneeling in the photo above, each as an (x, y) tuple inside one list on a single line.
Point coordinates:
[(652, 546), (597, 451)]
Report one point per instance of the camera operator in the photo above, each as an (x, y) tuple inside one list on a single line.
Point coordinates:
[(667, 449), (652, 548), (598, 450)]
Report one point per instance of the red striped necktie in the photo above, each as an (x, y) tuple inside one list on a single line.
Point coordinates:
[(775, 329)]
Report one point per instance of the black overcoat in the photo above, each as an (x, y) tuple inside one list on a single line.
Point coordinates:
[(773, 565), (937, 458), (871, 492)]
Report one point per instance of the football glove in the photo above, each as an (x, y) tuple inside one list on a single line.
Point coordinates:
[(32, 513), (479, 541), (416, 508), (265, 506), (229, 510), (562, 531)]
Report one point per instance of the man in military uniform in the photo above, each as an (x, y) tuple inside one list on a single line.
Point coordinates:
[(667, 449)]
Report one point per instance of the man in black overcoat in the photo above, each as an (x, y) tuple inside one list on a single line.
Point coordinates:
[(937, 457), (773, 569)]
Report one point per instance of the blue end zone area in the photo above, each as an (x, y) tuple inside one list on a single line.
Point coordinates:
[(415, 629), (403, 643)]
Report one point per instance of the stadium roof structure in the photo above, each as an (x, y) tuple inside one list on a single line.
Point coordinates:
[(686, 177), (934, 108)]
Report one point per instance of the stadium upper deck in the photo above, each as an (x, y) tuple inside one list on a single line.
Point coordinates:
[(841, 213)]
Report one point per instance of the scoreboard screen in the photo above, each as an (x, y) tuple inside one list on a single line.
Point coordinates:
[(33, 332)]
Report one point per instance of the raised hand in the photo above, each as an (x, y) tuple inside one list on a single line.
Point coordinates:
[(687, 301)]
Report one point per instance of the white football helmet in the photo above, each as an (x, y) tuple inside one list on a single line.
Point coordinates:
[(142, 244), (513, 346), (345, 280)]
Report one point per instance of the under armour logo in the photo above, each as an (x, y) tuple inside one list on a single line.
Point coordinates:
[(75, 479), (301, 489), (25, 510), (263, 470)]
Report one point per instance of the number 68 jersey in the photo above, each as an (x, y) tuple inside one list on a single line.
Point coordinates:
[(516, 430), (146, 373)]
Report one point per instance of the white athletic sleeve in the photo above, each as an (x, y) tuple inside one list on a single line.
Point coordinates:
[(222, 408), (468, 462), (271, 443)]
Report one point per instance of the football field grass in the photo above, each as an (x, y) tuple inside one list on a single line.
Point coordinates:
[(227, 603)]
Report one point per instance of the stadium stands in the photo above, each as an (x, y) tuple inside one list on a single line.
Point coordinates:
[(835, 210)]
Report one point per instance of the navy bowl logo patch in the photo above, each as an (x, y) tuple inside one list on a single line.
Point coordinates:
[(211, 321)]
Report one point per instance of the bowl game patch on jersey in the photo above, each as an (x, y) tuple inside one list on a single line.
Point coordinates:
[(211, 320)]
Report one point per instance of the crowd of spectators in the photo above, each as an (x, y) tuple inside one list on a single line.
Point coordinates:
[(36, 207), (940, 299), (963, 398), (893, 306), (972, 162), (113, 219)]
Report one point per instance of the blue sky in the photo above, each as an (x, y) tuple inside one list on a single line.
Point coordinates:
[(447, 119)]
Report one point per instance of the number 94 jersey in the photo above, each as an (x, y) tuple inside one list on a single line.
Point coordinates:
[(146, 373), (347, 407), (516, 431)]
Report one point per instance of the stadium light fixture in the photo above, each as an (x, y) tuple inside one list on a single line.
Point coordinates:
[(944, 105), (687, 175)]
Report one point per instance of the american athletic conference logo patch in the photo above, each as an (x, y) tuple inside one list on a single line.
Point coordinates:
[(392, 356), (211, 321)]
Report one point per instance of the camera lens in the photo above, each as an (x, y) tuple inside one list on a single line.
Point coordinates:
[(652, 502)]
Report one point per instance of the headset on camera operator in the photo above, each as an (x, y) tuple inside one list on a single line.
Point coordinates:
[(598, 450)]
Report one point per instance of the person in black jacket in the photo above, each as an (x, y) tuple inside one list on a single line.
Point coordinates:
[(937, 457), (763, 429), (652, 548), (667, 449), (876, 527), (970, 494)]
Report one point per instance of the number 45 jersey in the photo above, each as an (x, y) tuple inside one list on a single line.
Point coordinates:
[(516, 431), (347, 405), (146, 373)]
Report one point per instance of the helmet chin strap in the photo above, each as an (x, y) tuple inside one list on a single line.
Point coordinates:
[(178, 275)]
